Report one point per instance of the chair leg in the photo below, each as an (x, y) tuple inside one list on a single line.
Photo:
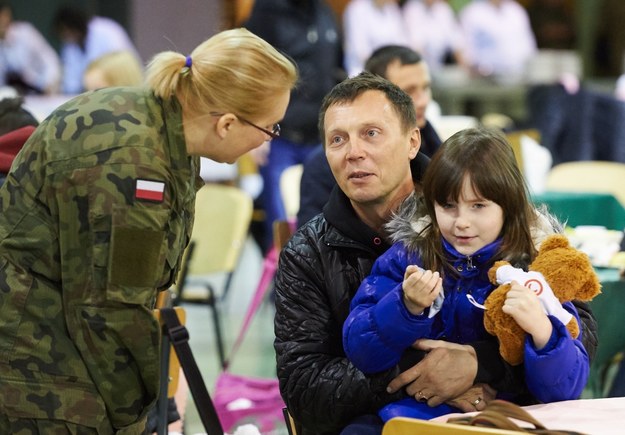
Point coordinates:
[(162, 402), (217, 325), (290, 423)]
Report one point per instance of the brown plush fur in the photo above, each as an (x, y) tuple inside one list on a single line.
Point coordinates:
[(570, 275)]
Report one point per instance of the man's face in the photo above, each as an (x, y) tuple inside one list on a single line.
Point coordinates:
[(367, 150), (414, 80)]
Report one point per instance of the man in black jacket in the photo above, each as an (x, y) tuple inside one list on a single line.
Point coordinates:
[(372, 146), (402, 66)]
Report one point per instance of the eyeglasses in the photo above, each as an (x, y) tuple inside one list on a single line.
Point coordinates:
[(273, 133)]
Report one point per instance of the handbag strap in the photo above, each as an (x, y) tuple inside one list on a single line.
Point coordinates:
[(269, 269), (498, 414), (179, 337)]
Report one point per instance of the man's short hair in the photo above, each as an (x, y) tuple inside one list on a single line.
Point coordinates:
[(380, 59)]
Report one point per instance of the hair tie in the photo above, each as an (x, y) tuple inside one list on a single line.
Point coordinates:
[(187, 66)]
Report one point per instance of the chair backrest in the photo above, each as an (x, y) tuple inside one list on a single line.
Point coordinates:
[(289, 189), (403, 426), (222, 219), (589, 176)]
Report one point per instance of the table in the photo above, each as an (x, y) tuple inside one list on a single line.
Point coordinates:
[(584, 208), (477, 97), (590, 416)]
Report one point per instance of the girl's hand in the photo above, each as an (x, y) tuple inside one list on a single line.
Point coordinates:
[(421, 287), (525, 308)]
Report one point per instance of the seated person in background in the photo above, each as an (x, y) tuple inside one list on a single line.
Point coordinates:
[(435, 32), (499, 38), (368, 25), (403, 67), (118, 68), (84, 39), (27, 61), (16, 126), (475, 210)]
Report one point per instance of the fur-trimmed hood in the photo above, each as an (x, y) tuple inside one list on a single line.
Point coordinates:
[(410, 222)]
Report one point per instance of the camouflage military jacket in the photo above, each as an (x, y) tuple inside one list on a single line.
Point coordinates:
[(94, 217)]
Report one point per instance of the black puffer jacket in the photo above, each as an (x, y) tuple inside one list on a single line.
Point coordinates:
[(320, 270)]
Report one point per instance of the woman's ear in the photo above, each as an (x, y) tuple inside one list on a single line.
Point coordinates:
[(224, 124)]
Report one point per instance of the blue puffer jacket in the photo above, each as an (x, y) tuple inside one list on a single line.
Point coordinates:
[(379, 323)]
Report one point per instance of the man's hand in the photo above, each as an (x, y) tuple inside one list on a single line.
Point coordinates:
[(474, 399), (447, 371)]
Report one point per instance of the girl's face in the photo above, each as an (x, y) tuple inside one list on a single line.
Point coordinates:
[(471, 223)]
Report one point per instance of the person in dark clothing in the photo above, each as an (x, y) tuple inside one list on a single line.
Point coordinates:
[(307, 32), (16, 126), (405, 68), (369, 129)]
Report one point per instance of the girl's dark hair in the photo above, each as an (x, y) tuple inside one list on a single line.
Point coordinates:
[(14, 116), (488, 159)]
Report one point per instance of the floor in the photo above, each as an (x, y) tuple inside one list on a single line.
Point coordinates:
[(255, 356)]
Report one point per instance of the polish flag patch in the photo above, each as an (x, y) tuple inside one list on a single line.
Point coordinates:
[(150, 190)]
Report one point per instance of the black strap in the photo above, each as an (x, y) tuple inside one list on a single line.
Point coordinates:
[(179, 337)]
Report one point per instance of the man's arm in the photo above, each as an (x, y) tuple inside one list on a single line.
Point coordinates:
[(321, 388), (446, 369)]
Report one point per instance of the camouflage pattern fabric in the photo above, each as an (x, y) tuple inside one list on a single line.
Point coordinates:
[(84, 247)]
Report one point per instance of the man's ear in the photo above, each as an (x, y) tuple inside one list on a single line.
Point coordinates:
[(224, 124), (415, 142)]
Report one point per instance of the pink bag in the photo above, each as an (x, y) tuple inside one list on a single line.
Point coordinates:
[(246, 399)]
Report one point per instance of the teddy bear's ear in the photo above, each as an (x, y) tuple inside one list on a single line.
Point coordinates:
[(590, 289), (492, 272), (554, 241)]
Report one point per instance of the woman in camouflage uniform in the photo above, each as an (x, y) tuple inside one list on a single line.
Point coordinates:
[(94, 217)]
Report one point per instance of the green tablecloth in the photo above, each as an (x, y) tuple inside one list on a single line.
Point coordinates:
[(584, 208)]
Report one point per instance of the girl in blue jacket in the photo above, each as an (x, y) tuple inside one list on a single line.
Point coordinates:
[(474, 211)]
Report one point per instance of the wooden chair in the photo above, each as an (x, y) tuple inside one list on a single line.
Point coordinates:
[(589, 176), (405, 426), (289, 190), (222, 219)]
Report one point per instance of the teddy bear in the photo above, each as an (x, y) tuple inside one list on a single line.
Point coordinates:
[(569, 274)]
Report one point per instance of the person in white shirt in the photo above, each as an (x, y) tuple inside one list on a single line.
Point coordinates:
[(84, 39), (499, 38), (27, 61), (367, 25), (434, 31)]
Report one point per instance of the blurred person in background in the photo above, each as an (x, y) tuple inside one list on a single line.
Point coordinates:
[(16, 126), (499, 38), (435, 32), (84, 39), (554, 23), (27, 61), (370, 24), (117, 68), (307, 32)]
